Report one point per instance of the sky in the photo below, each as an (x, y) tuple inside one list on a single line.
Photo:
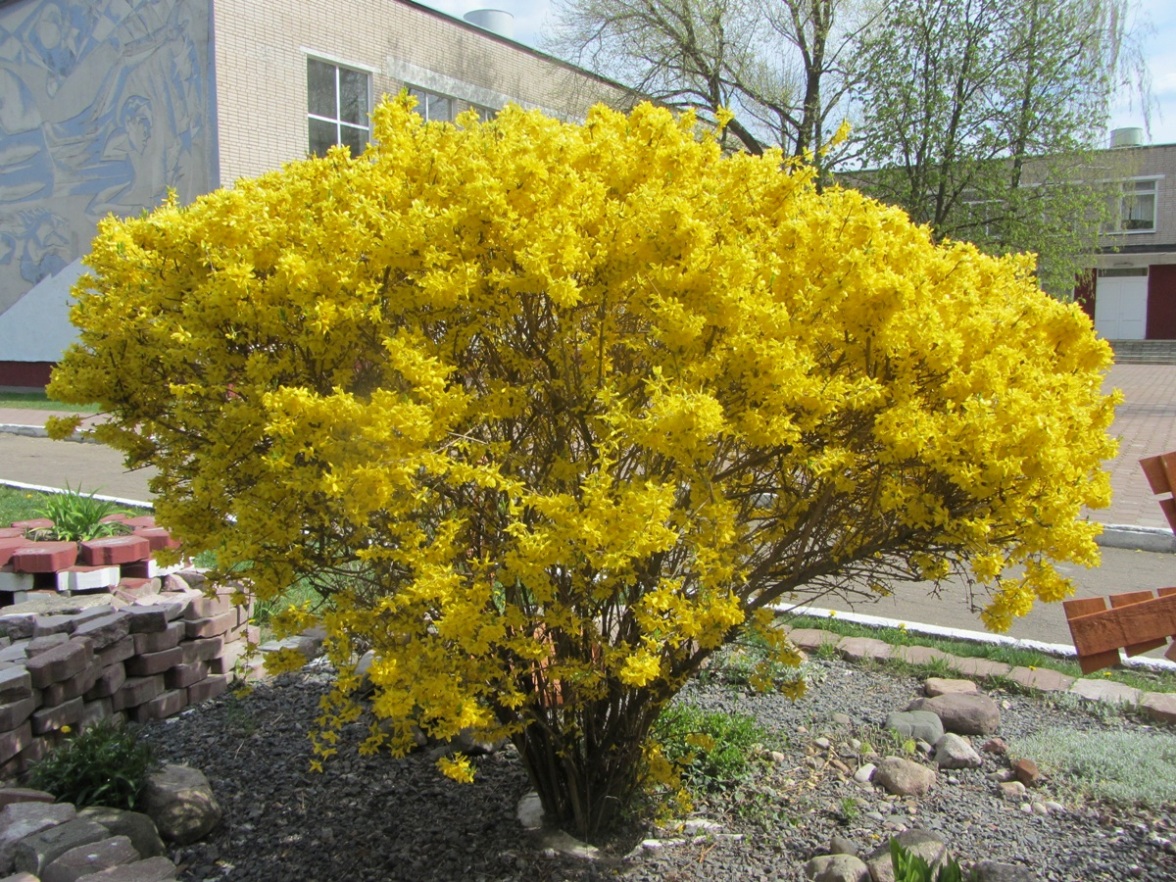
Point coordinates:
[(534, 17)]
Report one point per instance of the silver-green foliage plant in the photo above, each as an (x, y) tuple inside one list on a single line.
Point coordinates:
[(1128, 768), (107, 765), (77, 517), (912, 868)]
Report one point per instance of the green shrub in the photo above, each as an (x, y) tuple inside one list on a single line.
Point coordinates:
[(711, 750), (77, 517), (104, 765)]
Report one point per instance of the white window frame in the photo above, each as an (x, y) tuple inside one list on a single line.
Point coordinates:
[(1130, 199), (337, 121), (425, 96)]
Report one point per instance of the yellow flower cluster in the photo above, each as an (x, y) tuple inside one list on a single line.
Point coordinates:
[(549, 410)]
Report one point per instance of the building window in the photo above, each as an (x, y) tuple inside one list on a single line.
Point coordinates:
[(1137, 211), (433, 107), (338, 105)]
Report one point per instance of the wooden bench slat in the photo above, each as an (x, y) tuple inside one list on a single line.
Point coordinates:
[(1102, 631), (1157, 478), (1089, 606), (1120, 600)]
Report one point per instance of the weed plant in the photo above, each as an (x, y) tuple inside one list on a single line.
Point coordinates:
[(104, 765), (77, 517), (712, 750)]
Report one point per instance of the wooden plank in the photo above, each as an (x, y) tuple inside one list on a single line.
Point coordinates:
[(1103, 631), (1170, 652), (1168, 507), (1120, 600), (1157, 478), (1089, 662), (1168, 461)]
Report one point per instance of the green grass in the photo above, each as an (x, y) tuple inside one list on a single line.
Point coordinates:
[(40, 401), (1149, 681), (24, 505)]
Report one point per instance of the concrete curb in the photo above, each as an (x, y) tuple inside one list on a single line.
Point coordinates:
[(39, 488), (1155, 539), (39, 432)]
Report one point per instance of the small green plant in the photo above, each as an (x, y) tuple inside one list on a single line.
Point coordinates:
[(912, 868), (849, 809), (1125, 767), (77, 517), (712, 750), (106, 765)]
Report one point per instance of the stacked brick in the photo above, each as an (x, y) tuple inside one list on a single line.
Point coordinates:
[(108, 564), (143, 659)]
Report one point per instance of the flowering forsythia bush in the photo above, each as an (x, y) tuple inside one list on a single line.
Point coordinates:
[(551, 412)]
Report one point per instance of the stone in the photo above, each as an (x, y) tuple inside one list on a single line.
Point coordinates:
[(180, 801), (955, 752), (136, 826), (995, 871), (115, 550), (904, 777), (152, 663), (34, 853), (211, 627), (12, 743), (844, 845), (96, 711), (18, 584), (1106, 691), (865, 773), (863, 649), (77, 685), (530, 811), (920, 725), (42, 643), (160, 641), (962, 714), (118, 652), (60, 663), (166, 704), (205, 606), (210, 687), (82, 579), (109, 681), (1026, 772), (86, 860), (978, 667), (1042, 679), (51, 719), (154, 869), (106, 630), (837, 868), (137, 690), (18, 626), (182, 676), (15, 684), (934, 686), (22, 819), (930, 846), (811, 639), (920, 655), (173, 605), (1159, 706), (16, 712), (14, 795), (1012, 790), (995, 746), (146, 619)]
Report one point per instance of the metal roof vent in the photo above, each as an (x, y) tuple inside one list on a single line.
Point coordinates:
[(496, 21), (1129, 137)]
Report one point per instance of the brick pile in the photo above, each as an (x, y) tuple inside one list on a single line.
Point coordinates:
[(142, 656), (110, 564)]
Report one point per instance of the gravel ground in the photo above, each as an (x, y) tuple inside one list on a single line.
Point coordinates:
[(376, 818)]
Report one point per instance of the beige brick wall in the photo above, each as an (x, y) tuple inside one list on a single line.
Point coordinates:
[(261, 51), (1158, 163)]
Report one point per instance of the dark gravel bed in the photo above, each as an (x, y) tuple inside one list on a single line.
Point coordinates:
[(377, 818)]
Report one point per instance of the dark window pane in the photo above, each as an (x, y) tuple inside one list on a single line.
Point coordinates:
[(354, 138), (323, 136), (353, 96), (440, 109), (320, 86)]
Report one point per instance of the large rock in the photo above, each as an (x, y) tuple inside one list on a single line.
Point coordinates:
[(837, 868), (179, 800), (918, 724), (955, 752), (934, 686), (931, 847), (904, 777), (962, 714), (137, 827), (23, 819)]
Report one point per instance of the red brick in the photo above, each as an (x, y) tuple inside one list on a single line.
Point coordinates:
[(11, 533), (211, 627), (116, 550), (137, 690), (44, 557), (158, 537), (161, 707), (150, 663), (33, 524), (140, 521), (9, 545), (210, 687)]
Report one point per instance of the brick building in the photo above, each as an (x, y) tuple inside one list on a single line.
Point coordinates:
[(106, 104)]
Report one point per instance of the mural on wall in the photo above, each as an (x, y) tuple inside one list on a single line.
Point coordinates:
[(104, 107)]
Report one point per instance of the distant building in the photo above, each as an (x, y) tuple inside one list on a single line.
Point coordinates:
[(1131, 294), (107, 104)]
